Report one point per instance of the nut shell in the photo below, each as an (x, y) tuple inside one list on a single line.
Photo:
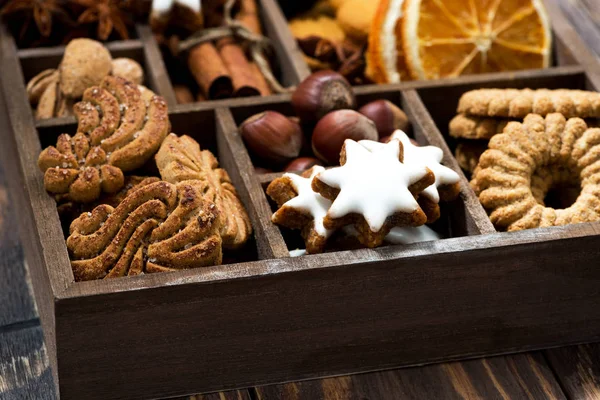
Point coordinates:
[(272, 137), (321, 93), (128, 69), (85, 63), (387, 116), (337, 126), (302, 164)]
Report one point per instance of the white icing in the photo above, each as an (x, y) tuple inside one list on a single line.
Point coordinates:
[(373, 183), (410, 234), (308, 201), (162, 7), (298, 252), (427, 156), (403, 234)]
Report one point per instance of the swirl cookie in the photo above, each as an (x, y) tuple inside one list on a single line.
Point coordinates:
[(523, 163), (373, 190), (118, 131), (158, 227), (301, 208), (446, 186), (180, 158), (68, 210), (517, 103)]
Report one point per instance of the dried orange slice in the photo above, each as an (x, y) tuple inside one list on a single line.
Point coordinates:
[(385, 54), (446, 38)]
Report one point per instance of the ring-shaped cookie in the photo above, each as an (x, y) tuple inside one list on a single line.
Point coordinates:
[(528, 158)]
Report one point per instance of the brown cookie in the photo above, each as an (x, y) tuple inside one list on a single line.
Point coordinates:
[(180, 158), (470, 127), (301, 208), (517, 103), (117, 132), (467, 153), (159, 227), (522, 164), (373, 190)]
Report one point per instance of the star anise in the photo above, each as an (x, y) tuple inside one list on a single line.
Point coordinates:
[(108, 14), (40, 11)]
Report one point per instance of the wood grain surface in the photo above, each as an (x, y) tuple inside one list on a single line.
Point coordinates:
[(522, 376), (568, 372)]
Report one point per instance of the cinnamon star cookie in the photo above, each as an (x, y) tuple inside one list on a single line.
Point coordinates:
[(300, 207), (446, 186), (373, 190)]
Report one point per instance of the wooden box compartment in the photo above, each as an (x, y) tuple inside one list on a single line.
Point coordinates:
[(456, 220), (287, 64), (274, 318), (563, 52)]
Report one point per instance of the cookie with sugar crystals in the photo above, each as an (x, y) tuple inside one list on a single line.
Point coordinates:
[(301, 208), (373, 190)]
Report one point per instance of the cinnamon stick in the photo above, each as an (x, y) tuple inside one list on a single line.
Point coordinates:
[(209, 70), (242, 76), (248, 15), (261, 83)]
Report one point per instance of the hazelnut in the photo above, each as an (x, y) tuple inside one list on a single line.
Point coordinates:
[(272, 136), (387, 116), (337, 126), (302, 164), (321, 93)]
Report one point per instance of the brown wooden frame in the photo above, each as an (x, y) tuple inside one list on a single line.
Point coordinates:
[(279, 318)]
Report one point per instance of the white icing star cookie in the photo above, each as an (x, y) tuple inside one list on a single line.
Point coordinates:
[(373, 190), (446, 180), (301, 208)]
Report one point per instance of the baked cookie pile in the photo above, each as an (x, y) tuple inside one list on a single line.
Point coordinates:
[(540, 141), (120, 224), (484, 113), (85, 63), (381, 192)]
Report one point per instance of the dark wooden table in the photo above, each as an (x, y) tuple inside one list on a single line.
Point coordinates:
[(561, 373)]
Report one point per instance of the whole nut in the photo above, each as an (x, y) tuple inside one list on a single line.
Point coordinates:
[(85, 63), (387, 116), (337, 126), (321, 93), (302, 164), (128, 69), (272, 136)]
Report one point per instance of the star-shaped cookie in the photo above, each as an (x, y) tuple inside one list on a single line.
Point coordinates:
[(446, 186), (301, 208), (373, 190)]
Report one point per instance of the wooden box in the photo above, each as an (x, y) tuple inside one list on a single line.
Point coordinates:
[(275, 318)]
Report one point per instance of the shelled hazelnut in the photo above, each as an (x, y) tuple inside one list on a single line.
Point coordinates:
[(302, 164), (337, 126), (321, 93), (386, 115), (325, 118), (272, 136)]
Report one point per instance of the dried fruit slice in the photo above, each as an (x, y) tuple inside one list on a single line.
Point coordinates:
[(385, 54), (452, 37)]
